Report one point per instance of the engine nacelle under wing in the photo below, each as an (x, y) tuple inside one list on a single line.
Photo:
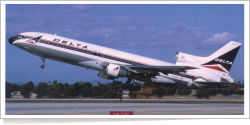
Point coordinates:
[(104, 75), (113, 71)]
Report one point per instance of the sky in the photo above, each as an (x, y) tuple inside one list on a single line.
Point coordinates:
[(157, 31)]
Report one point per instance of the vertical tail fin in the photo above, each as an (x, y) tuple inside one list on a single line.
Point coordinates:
[(224, 56)]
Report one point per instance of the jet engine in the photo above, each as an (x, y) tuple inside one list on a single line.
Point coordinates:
[(113, 71), (184, 58), (104, 75)]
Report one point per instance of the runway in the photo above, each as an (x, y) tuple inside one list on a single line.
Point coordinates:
[(83, 108)]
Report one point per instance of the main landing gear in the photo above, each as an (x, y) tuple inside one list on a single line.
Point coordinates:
[(43, 63), (131, 81)]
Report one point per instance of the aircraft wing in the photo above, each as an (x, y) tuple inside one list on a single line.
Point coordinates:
[(217, 84), (164, 69)]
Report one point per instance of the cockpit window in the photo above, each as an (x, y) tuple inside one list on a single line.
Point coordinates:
[(17, 37), (20, 36), (12, 39)]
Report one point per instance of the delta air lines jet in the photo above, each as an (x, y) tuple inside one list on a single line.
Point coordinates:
[(111, 64)]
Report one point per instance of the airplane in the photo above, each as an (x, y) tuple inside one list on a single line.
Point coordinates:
[(111, 64)]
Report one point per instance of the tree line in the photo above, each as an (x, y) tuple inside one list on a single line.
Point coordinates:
[(65, 90), (114, 89)]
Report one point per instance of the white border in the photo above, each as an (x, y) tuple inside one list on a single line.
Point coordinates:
[(246, 60), (124, 2), (3, 59), (246, 57)]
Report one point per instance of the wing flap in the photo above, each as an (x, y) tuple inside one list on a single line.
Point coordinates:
[(165, 69)]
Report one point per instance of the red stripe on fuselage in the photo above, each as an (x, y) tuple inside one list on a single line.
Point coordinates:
[(215, 68), (30, 42), (89, 50)]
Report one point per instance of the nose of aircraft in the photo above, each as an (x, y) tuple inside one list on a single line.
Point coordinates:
[(12, 39)]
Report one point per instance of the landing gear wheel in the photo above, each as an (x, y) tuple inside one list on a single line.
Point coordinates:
[(43, 62), (42, 66)]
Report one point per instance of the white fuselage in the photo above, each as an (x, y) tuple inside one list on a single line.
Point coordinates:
[(92, 56), (92, 51)]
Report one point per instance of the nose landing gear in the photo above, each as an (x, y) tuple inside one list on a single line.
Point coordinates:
[(42, 66), (43, 63)]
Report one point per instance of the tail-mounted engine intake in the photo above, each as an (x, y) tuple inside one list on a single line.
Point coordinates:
[(181, 58)]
